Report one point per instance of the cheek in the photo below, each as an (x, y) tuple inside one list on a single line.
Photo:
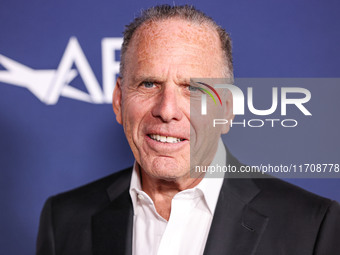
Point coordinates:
[(203, 131), (133, 114)]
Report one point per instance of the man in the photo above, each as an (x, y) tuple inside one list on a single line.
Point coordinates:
[(156, 207)]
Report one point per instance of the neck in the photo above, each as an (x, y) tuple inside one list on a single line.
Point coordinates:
[(162, 191)]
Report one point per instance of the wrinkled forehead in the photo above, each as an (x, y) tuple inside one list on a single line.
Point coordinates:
[(175, 37), (169, 30)]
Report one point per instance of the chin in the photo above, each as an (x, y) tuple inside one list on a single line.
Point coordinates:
[(167, 178), (168, 170)]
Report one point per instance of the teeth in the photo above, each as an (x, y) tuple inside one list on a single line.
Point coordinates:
[(170, 139), (165, 139)]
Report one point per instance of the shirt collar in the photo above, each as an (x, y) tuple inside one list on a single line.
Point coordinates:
[(209, 187)]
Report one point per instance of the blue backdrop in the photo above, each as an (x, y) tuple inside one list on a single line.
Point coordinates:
[(54, 58)]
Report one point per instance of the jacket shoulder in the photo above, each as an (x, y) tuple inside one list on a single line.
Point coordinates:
[(66, 219), (287, 195), (94, 193), (296, 218)]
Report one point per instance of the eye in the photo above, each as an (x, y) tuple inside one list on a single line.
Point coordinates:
[(193, 88), (148, 84)]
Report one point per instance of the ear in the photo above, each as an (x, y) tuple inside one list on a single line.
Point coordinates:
[(117, 100), (228, 111)]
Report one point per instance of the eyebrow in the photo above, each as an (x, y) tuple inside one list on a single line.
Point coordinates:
[(147, 78), (158, 79)]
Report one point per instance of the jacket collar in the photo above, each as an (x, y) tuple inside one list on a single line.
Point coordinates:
[(236, 227), (112, 226)]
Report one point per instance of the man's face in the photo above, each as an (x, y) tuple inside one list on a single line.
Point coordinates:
[(152, 102)]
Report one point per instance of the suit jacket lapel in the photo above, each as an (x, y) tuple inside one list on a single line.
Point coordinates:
[(236, 227), (112, 226)]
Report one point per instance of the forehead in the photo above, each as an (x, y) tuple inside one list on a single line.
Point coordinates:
[(174, 42), (169, 30)]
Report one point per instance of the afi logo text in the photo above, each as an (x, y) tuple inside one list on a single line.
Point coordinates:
[(49, 85)]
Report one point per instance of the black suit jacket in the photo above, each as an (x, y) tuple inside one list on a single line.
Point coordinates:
[(252, 216)]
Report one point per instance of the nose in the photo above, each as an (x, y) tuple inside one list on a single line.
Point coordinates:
[(167, 107)]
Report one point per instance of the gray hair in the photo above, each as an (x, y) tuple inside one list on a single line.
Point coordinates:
[(185, 12)]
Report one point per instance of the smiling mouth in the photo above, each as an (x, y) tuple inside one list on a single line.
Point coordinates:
[(165, 139)]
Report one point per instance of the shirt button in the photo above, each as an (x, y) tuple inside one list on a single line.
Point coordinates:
[(141, 197)]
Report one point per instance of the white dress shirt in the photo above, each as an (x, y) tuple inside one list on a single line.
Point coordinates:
[(191, 215)]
